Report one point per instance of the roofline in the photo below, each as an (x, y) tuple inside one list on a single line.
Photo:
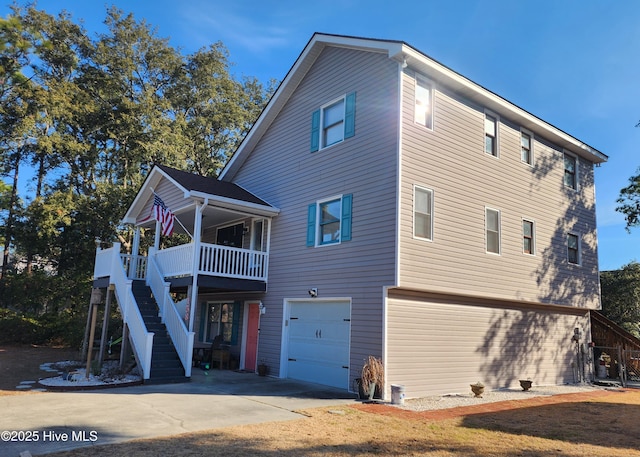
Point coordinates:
[(231, 203), (497, 103), (399, 51), (128, 219)]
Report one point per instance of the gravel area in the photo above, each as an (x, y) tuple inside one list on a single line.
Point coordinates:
[(467, 399)]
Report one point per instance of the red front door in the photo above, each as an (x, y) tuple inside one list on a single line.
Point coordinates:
[(251, 348)]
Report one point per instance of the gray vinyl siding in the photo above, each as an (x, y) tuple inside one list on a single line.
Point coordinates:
[(450, 159), (441, 344), (282, 171)]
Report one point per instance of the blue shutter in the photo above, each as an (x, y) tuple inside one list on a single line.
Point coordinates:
[(203, 320), (315, 131), (235, 323), (311, 225), (350, 115), (345, 229)]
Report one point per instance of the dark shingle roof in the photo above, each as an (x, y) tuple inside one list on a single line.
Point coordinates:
[(212, 186)]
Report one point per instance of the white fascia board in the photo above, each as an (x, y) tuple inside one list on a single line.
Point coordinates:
[(238, 205)]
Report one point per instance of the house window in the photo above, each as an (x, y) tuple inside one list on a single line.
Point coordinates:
[(423, 213), (424, 103), (526, 148), (492, 227), (570, 171), (257, 234), (491, 134), (329, 221), (220, 321), (573, 249), (334, 122), (528, 246)]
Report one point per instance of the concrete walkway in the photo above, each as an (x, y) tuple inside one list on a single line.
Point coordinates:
[(55, 421)]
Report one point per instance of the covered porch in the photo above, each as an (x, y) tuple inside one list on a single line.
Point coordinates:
[(210, 237)]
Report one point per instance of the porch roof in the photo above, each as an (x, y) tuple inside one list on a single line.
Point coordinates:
[(195, 187)]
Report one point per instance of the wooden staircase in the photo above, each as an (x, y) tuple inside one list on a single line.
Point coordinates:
[(165, 363)]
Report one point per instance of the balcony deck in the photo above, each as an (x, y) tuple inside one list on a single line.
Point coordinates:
[(217, 266)]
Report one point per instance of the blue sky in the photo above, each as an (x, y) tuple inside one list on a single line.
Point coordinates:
[(573, 63)]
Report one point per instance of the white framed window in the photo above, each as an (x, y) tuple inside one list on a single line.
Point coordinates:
[(423, 213), (492, 229), (526, 146), (491, 133), (329, 221), (424, 102), (573, 249), (528, 237), (219, 320), (570, 171), (333, 122)]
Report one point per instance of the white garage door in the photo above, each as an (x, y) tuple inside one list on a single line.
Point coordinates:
[(318, 346)]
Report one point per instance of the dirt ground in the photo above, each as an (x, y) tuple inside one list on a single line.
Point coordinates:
[(22, 363)]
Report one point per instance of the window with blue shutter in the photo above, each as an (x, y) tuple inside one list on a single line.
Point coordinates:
[(350, 115), (329, 221), (346, 218), (315, 131), (333, 122), (311, 225), (235, 323)]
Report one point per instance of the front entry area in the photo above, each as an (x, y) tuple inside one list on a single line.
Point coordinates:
[(317, 334)]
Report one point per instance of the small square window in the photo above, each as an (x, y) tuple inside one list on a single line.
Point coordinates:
[(492, 227), (528, 243), (423, 213), (573, 249), (491, 135), (424, 103), (526, 148), (570, 171)]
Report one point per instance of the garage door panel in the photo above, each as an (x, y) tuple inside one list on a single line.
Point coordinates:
[(318, 344)]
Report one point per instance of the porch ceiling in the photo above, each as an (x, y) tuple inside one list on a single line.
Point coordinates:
[(212, 216)]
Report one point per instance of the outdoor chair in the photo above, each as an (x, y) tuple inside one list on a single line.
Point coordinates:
[(219, 353)]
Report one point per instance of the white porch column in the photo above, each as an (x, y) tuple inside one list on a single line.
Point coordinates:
[(135, 252), (197, 236), (156, 240), (268, 247)]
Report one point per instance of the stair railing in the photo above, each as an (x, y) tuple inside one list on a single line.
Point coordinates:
[(142, 339), (181, 337)]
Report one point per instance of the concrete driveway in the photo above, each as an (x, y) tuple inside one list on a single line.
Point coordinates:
[(55, 421)]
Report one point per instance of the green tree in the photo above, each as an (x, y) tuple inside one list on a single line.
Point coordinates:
[(621, 296), (91, 116)]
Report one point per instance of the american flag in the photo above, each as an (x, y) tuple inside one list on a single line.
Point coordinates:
[(163, 214)]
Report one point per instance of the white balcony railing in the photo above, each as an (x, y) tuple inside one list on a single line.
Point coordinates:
[(214, 260)]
